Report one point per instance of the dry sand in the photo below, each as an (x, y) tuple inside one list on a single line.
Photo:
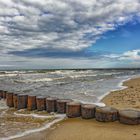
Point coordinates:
[(79, 129), (126, 98)]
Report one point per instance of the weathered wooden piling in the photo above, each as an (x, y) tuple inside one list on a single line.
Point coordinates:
[(73, 109), (9, 99), (51, 104), (31, 104), (1, 94), (15, 100), (88, 111), (61, 105), (106, 114), (22, 101), (41, 103), (4, 94), (129, 116)]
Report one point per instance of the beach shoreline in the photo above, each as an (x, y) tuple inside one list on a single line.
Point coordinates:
[(120, 86), (127, 97), (57, 131)]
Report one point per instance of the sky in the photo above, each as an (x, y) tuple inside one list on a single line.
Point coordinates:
[(55, 34)]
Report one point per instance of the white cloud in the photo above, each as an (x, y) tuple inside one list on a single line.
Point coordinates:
[(112, 56), (61, 24), (131, 55)]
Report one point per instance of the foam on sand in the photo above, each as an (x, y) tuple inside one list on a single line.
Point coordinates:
[(34, 115), (58, 117), (100, 104), (119, 87)]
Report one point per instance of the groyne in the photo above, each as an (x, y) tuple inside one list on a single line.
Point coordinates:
[(71, 108)]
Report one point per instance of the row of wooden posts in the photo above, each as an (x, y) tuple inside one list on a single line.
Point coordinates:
[(71, 108)]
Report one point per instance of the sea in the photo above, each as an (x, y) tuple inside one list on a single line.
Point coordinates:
[(87, 86)]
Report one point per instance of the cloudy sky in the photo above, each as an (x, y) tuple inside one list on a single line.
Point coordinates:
[(69, 33)]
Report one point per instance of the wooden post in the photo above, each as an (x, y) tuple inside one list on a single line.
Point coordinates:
[(9, 99), (41, 103), (73, 109), (88, 111), (31, 105), (106, 114), (15, 100), (51, 104), (61, 105), (129, 116), (1, 94), (4, 94), (22, 101)]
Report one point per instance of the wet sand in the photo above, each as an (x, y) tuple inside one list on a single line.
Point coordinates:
[(12, 121), (79, 129)]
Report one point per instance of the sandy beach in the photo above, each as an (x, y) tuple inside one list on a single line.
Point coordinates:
[(80, 129), (126, 98)]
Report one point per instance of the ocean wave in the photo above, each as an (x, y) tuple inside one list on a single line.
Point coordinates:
[(34, 80), (8, 75), (80, 76), (72, 72)]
